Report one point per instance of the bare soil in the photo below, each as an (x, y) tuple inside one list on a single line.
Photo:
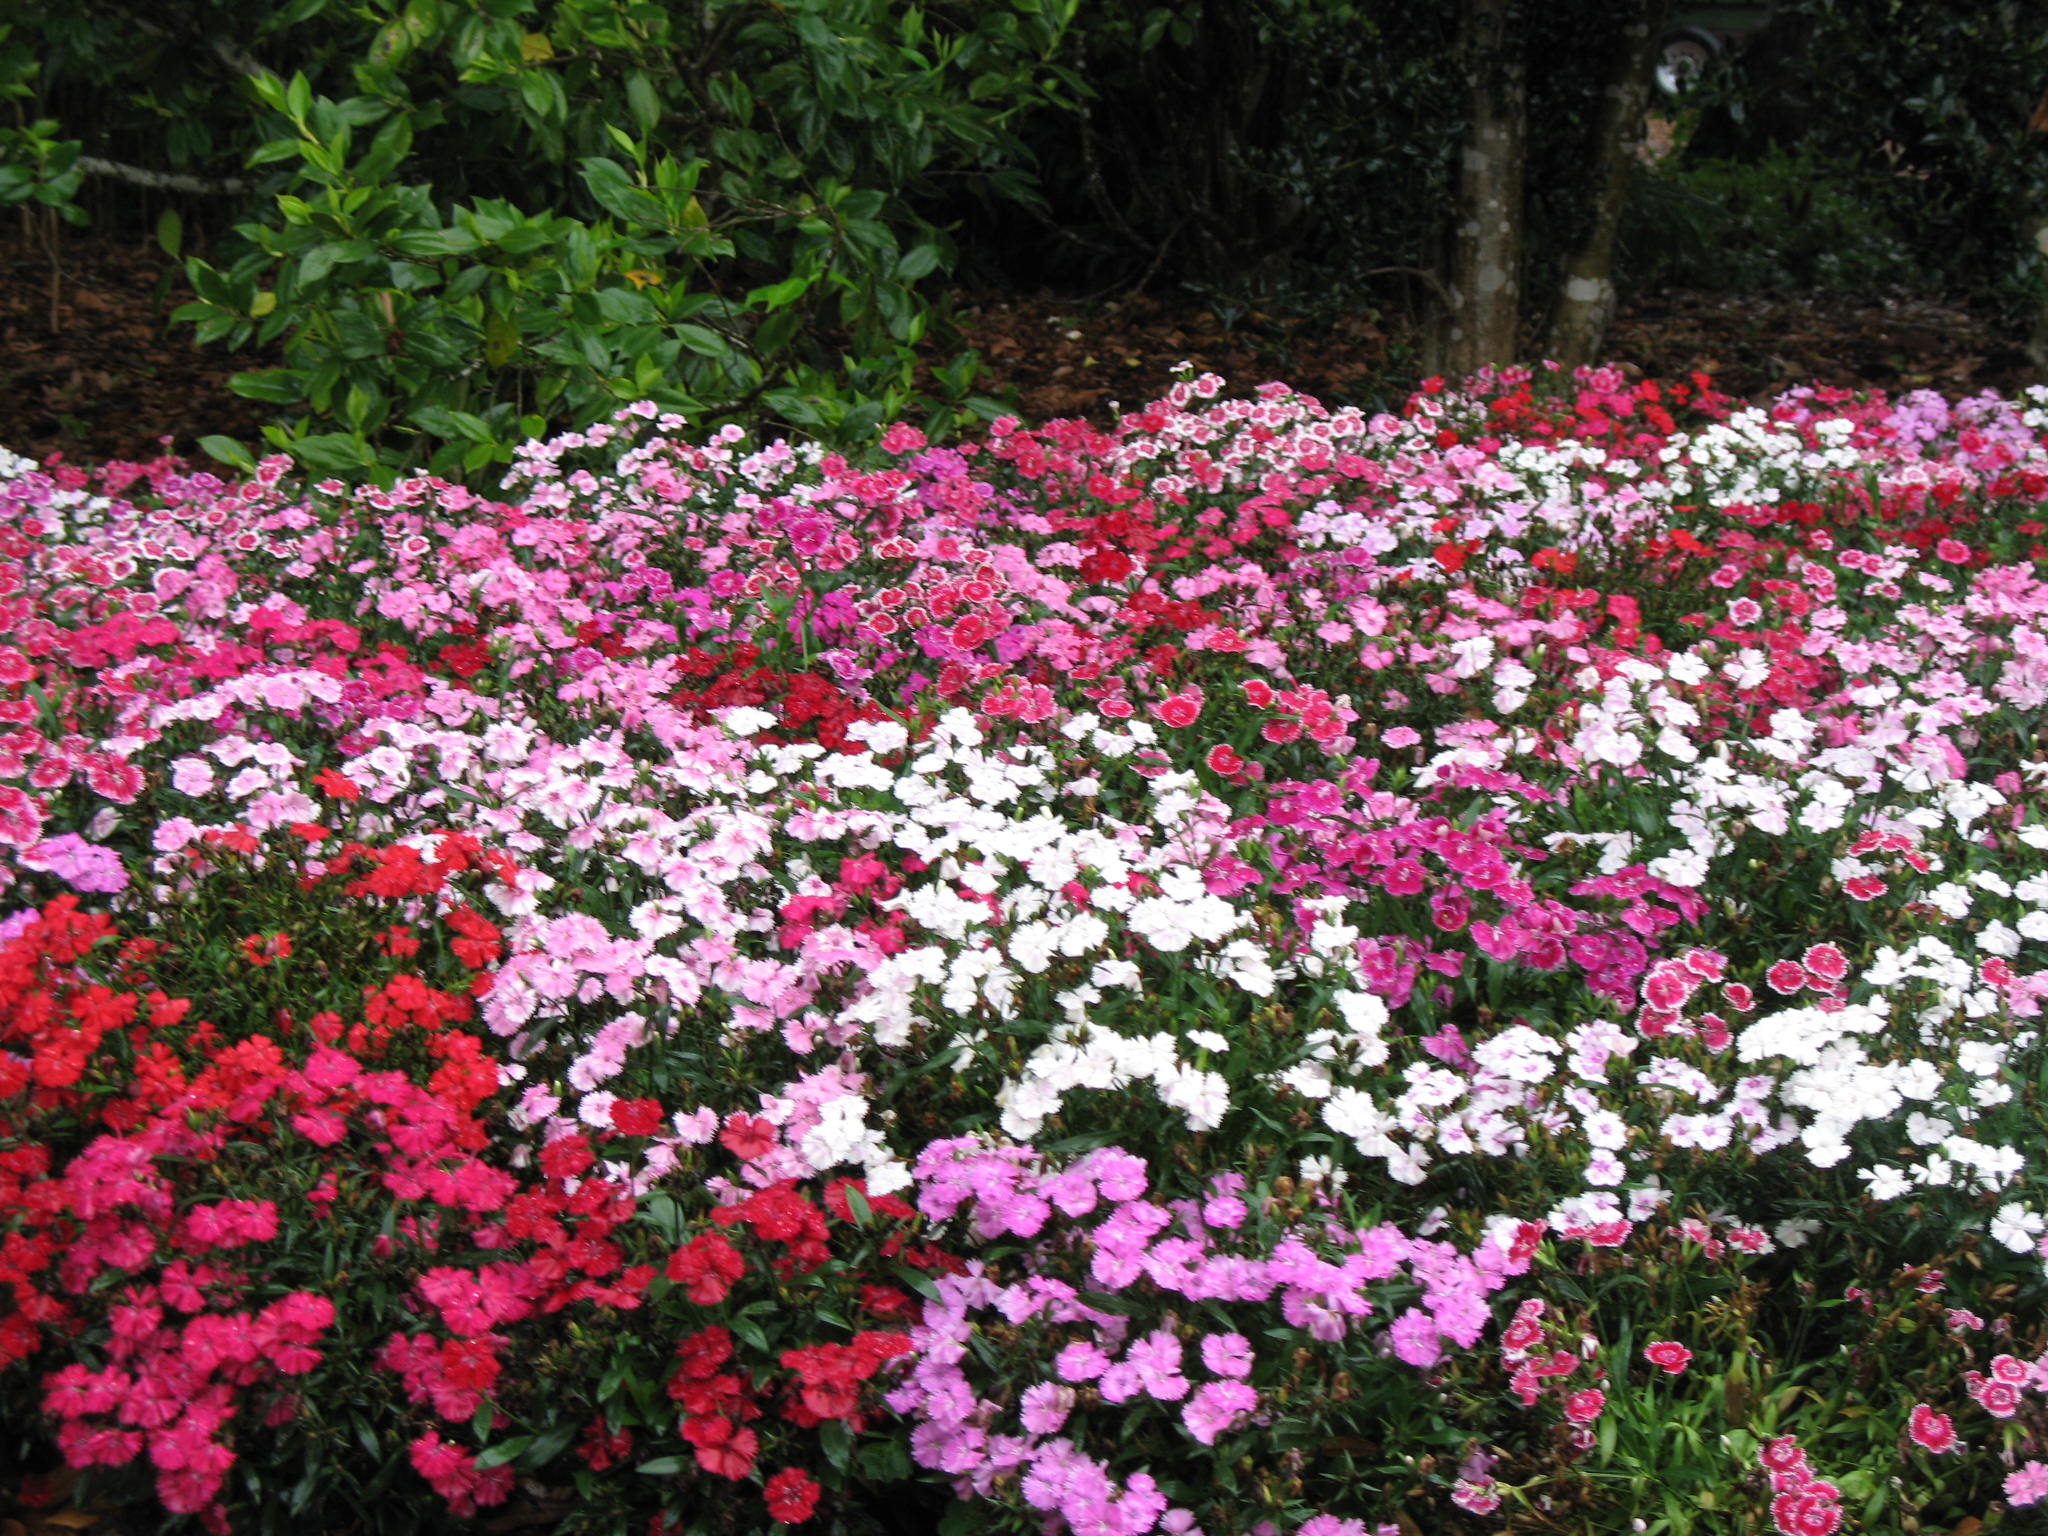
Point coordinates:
[(112, 378)]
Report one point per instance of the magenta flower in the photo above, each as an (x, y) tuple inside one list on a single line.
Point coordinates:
[(1215, 1408), (1080, 1362), (1228, 1354), (1415, 1340), (1045, 1407), (1932, 1431)]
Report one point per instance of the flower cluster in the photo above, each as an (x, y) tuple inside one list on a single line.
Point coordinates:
[(1165, 975)]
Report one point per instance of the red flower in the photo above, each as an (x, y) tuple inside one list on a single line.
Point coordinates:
[(566, 1157), (1107, 565), (1865, 887), (338, 785), (1783, 1455), (1808, 1511), (703, 1352), (1826, 961), (637, 1117), (261, 949), (792, 1496), (723, 1448), (747, 1137), (706, 1267)]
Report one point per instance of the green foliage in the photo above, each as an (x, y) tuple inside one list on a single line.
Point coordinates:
[(36, 166), (471, 249), (1785, 222), (1921, 114)]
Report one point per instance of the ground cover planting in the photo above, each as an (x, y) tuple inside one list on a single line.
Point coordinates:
[(1263, 970)]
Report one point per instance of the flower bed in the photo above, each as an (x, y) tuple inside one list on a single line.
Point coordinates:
[(1266, 970)]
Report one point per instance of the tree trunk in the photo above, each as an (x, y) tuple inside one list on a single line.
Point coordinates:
[(1482, 309), (1584, 303)]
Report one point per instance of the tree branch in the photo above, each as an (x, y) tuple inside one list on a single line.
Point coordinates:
[(223, 50), (164, 181)]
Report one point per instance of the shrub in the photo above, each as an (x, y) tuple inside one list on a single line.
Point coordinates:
[(561, 212)]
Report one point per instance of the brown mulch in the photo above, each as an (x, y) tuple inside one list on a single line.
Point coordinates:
[(115, 377)]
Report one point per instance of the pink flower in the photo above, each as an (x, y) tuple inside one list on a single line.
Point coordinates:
[(1669, 1356), (2011, 1368), (2000, 1399), (1783, 1455), (1826, 961), (2029, 1485), (1807, 1511), (1479, 1498), (1216, 1407), (1586, 1406), (1228, 1354), (1932, 1431), (1045, 1407), (1080, 1362), (1786, 977)]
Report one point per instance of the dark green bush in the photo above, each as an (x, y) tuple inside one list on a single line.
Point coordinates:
[(1787, 222), (469, 220), (563, 207)]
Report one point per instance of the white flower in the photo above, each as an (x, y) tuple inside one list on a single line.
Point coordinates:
[(1687, 867), (1949, 897), (1351, 1112), (880, 735), (743, 719), (1320, 1170), (1686, 668), (1997, 939), (1926, 1131), (1310, 1079), (1605, 1129), (2018, 1228), (1208, 1040), (1980, 1058), (1795, 1232), (1202, 1097), (1885, 1182)]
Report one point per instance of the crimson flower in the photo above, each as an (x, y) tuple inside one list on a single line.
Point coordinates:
[(1932, 1431), (747, 1137), (792, 1496), (724, 1449)]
